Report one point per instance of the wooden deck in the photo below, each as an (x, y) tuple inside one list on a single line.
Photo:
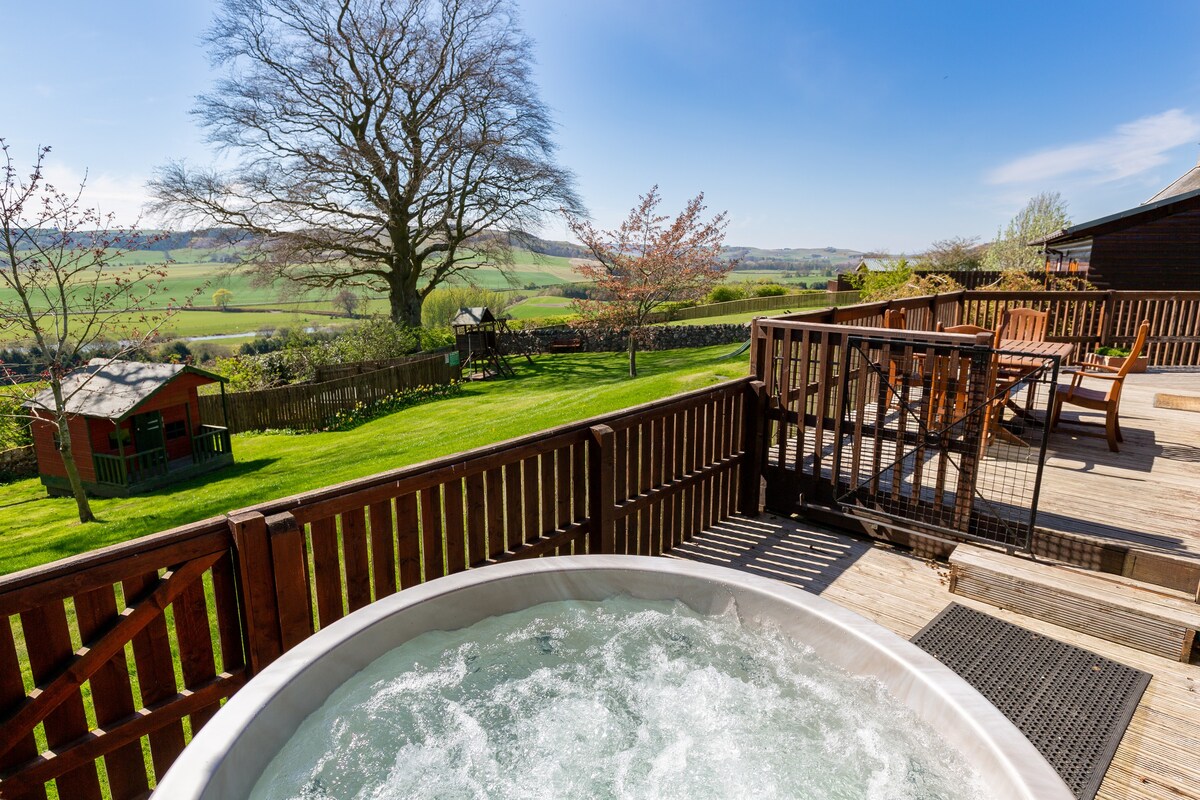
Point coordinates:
[(1157, 758), (1149, 493)]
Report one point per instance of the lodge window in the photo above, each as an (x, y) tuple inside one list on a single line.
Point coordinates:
[(112, 437), (176, 429)]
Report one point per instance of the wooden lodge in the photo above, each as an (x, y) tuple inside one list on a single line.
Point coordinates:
[(1154, 246), (134, 427), (779, 473)]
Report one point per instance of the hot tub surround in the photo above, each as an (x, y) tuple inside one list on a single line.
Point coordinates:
[(228, 755)]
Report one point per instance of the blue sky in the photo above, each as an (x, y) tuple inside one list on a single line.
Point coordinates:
[(865, 125)]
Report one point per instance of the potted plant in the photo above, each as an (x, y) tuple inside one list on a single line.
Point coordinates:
[(1116, 356)]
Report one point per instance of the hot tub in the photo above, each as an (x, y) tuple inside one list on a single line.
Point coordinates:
[(229, 755)]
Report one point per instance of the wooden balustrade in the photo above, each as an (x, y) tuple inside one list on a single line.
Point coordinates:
[(1086, 319), (147, 637)]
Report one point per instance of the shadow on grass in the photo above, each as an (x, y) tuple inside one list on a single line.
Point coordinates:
[(237, 469)]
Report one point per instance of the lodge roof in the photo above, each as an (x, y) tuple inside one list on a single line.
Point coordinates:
[(114, 389), (1185, 183), (1147, 212)]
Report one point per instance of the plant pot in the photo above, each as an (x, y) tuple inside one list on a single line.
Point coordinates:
[(1139, 365)]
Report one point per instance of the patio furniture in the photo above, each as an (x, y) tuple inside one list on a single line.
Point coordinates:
[(1107, 399), (1023, 324), (896, 319), (971, 329)]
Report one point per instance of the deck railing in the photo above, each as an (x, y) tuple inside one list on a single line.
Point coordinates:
[(130, 468), (244, 588), (211, 442), (1086, 319)]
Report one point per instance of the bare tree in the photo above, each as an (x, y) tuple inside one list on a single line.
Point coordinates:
[(384, 145), (347, 301), (65, 297), (646, 262), (958, 253)]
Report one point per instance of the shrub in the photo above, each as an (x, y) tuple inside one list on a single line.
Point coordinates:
[(726, 293), (769, 290), (14, 430), (677, 305), (899, 280)]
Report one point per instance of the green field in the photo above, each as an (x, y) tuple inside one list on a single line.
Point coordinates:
[(552, 391), (776, 276), (537, 307)]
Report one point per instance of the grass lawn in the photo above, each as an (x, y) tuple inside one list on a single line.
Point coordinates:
[(35, 529)]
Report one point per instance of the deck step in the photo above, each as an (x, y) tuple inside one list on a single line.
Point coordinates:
[(1121, 611)]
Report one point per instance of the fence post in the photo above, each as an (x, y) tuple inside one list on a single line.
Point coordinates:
[(602, 490), (260, 623), (753, 419)]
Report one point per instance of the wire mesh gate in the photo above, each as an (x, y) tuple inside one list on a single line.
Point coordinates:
[(944, 438)]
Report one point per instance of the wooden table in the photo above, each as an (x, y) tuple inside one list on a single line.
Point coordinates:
[(1013, 368), (1037, 350)]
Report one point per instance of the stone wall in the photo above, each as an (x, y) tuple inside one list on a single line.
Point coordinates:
[(17, 463), (658, 337)]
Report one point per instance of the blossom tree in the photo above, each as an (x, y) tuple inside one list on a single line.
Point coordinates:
[(64, 295), (649, 260)]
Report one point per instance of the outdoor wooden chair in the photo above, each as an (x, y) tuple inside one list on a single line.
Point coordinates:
[(1024, 324), (1107, 399), (948, 387), (974, 330), (896, 319)]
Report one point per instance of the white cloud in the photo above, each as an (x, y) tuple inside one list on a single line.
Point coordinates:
[(1131, 149), (123, 196)]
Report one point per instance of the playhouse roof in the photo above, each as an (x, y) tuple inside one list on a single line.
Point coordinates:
[(473, 316), (113, 389)]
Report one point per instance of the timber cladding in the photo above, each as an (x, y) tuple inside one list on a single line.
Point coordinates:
[(243, 589), (312, 406)]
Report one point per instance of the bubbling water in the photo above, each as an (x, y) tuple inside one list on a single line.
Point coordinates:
[(621, 698)]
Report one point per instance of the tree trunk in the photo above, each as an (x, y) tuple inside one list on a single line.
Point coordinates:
[(405, 305), (633, 353), (68, 457)]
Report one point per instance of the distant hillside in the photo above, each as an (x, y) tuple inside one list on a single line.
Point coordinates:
[(222, 245), (800, 259)]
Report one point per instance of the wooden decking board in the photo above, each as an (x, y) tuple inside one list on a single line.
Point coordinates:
[(1157, 758)]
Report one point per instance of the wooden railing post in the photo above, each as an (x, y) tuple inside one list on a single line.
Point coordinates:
[(602, 490), (260, 610), (290, 576), (1107, 313), (754, 418)]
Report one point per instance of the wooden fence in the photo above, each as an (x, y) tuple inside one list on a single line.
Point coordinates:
[(216, 601), (1086, 319), (333, 372), (312, 406), (773, 303)]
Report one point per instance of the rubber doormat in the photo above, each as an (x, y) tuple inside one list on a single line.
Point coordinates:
[(1180, 402), (1072, 704)]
